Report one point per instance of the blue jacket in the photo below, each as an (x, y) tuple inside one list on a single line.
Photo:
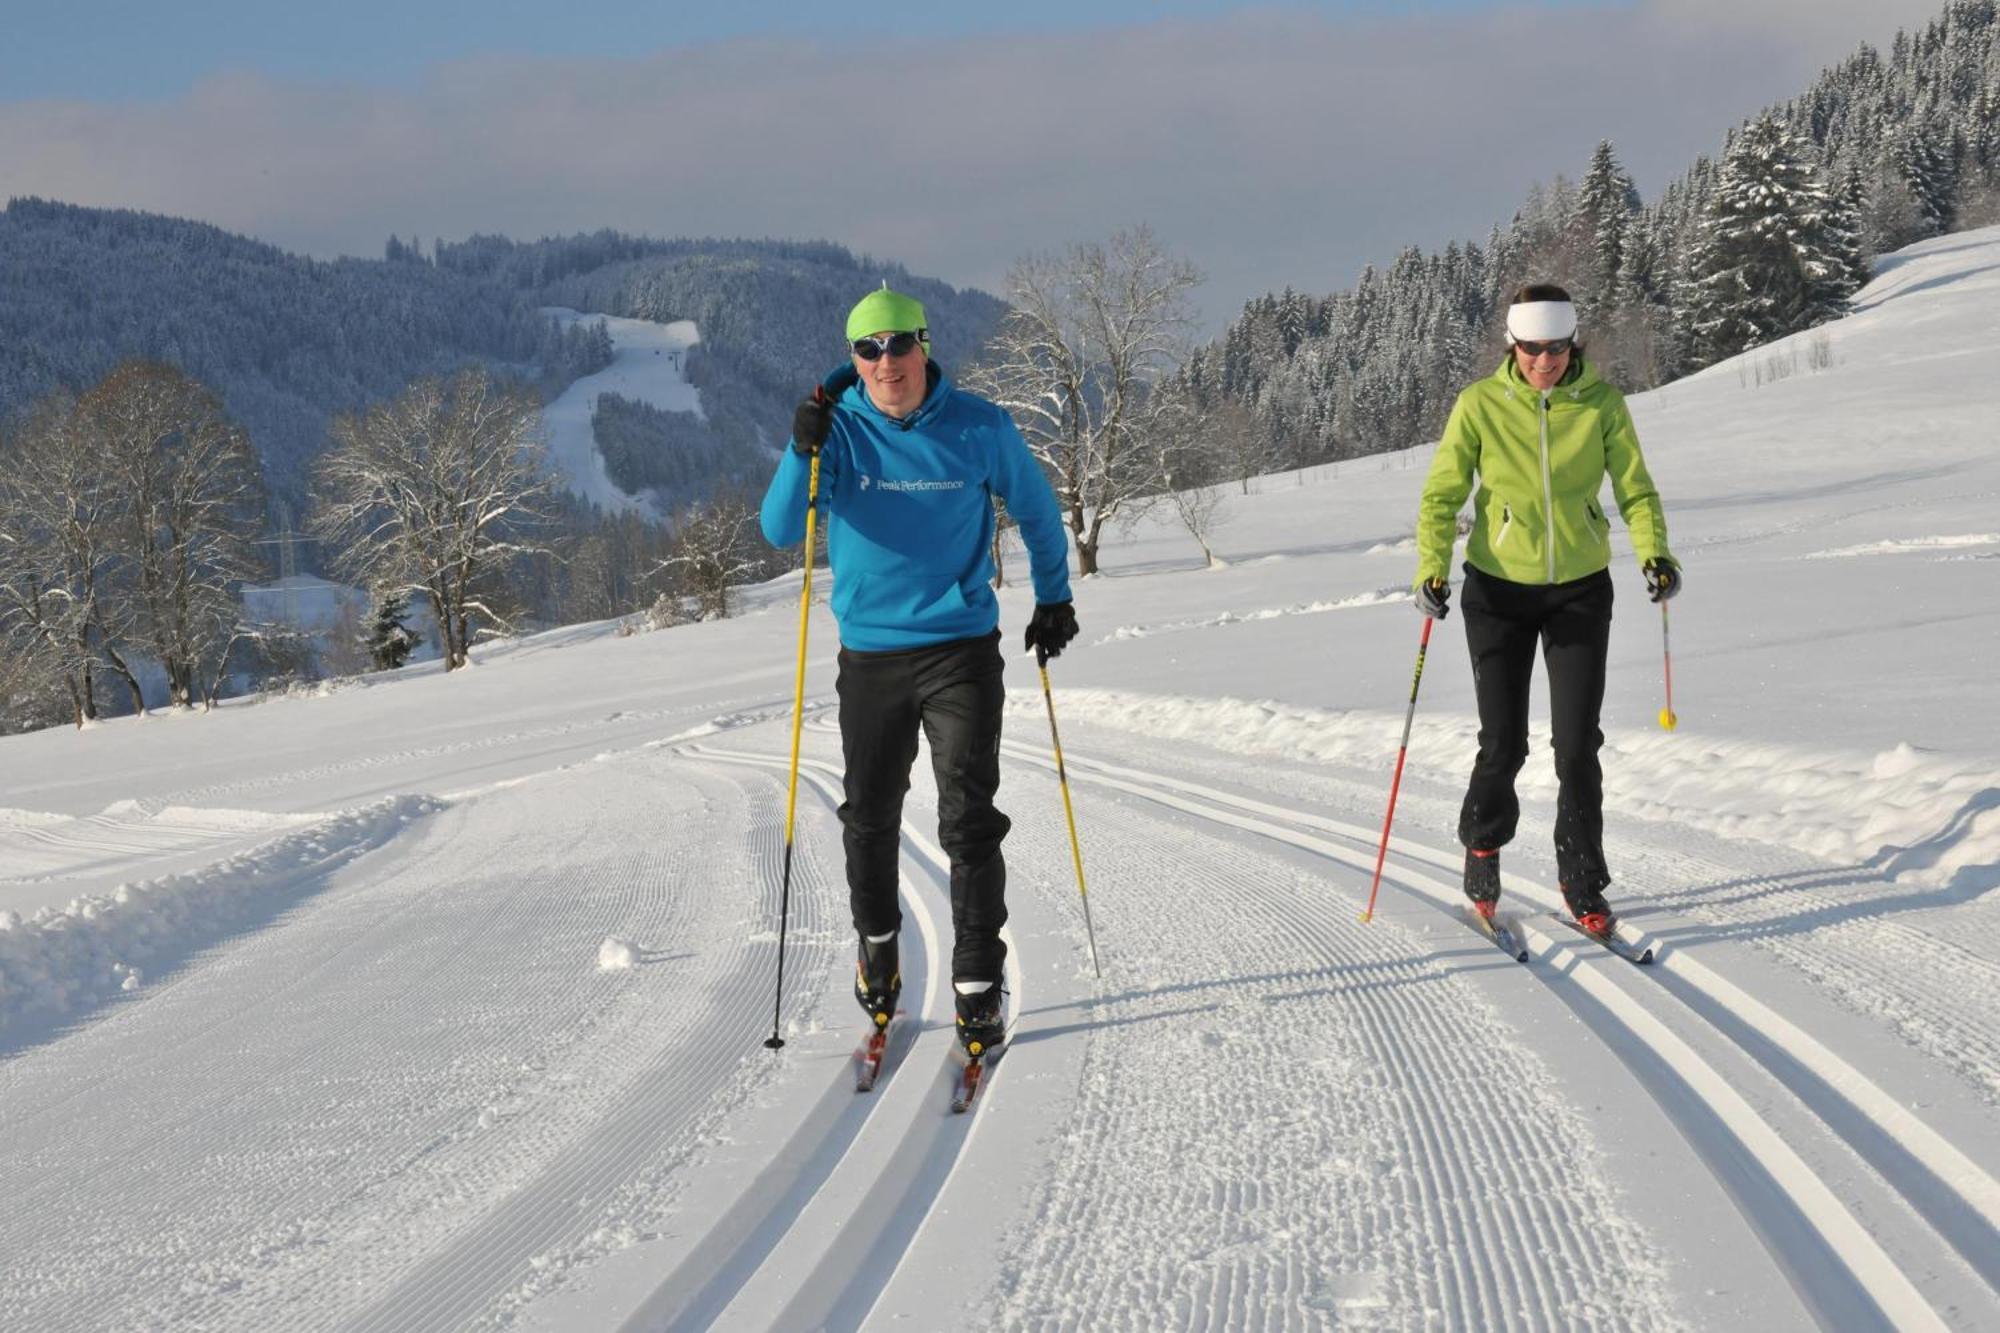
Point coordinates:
[(908, 511)]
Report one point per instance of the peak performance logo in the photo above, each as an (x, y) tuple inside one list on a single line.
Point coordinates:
[(910, 487)]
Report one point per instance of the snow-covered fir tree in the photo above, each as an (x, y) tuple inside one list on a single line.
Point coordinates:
[(390, 639), (1776, 253), (1606, 205)]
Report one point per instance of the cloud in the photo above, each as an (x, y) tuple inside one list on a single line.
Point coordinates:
[(1271, 148)]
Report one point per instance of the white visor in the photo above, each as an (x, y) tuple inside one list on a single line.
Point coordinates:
[(1540, 321)]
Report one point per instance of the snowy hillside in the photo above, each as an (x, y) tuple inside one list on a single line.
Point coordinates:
[(646, 367), (308, 1018)]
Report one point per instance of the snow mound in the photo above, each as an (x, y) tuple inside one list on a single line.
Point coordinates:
[(65, 960), (1909, 544), (1378, 597), (1915, 816), (616, 955)]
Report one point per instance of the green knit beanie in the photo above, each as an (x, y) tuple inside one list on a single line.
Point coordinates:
[(885, 311)]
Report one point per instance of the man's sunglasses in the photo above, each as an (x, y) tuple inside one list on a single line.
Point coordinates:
[(1553, 347), (896, 344)]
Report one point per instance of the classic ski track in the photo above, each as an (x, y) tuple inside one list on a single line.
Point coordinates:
[(1894, 1294), (841, 1247), (1940, 996), (249, 1065), (1491, 1219)]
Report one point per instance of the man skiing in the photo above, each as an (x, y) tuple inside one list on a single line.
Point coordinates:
[(909, 466)]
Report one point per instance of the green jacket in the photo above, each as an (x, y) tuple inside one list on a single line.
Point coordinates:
[(1541, 459)]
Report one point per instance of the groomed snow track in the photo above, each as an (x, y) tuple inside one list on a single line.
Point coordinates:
[(1755, 1094), (812, 1240)]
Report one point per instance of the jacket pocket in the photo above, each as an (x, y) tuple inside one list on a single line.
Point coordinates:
[(1599, 524)]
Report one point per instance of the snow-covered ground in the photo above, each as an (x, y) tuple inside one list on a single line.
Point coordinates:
[(647, 367), (438, 1002)]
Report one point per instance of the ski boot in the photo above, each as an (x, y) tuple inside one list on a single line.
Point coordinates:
[(1482, 880), (1590, 909), (980, 1027), (878, 979)]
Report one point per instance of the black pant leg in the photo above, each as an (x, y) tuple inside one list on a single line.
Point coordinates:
[(878, 743), (1501, 627), (962, 698), (1576, 643)]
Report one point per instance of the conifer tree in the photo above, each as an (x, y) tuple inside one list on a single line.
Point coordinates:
[(1605, 205), (1776, 251), (390, 640)]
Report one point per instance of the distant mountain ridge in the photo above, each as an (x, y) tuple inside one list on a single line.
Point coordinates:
[(290, 341)]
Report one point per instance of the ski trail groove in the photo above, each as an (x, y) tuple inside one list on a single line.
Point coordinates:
[(826, 1225), (1818, 1210), (1299, 1211)]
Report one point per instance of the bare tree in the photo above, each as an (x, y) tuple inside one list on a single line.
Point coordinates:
[(715, 546), (58, 519), (1194, 464), (1091, 334), (434, 492), (1233, 435), (1003, 523), (192, 502)]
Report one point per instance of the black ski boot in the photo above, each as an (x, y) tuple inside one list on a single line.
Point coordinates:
[(878, 979), (1590, 909), (980, 1028), (1482, 880)]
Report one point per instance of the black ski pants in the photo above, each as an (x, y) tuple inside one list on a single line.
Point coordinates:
[(1504, 621), (954, 693)]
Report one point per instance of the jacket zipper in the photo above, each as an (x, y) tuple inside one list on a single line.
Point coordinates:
[(1506, 522), (1548, 491)]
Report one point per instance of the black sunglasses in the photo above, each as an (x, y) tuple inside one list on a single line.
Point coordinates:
[(896, 344), (1554, 346)]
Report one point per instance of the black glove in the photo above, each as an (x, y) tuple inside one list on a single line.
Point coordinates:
[(1051, 627), (1434, 598), (1663, 579), (811, 422)]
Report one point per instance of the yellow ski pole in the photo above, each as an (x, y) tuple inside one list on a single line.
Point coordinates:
[(1069, 811), (775, 1041)]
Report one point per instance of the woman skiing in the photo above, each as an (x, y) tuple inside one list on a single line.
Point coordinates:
[(1537, 438)]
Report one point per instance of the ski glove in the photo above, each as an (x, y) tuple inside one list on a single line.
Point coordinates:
[(1051, 628), (811, 422), (1663, 579), (1434, 599)]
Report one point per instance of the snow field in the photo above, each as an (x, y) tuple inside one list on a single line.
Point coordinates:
[(396, 1090)]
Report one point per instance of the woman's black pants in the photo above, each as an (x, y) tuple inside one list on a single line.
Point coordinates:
[(953, 692), (1504, 621)]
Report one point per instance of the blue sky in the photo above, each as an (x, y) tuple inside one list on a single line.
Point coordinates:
[(59, 48), (1274, 145)]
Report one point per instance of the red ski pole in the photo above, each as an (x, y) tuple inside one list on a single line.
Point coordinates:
[(1396, 784)]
